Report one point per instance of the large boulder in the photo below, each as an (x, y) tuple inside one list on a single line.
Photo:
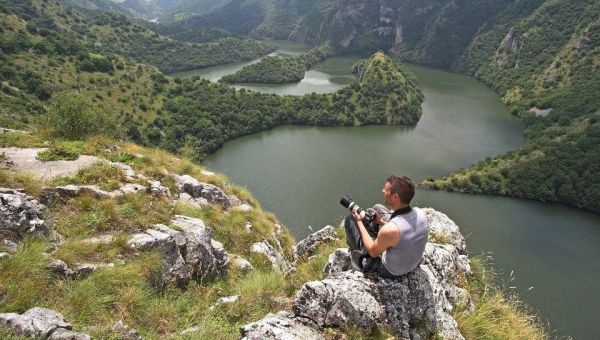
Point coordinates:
[(443, 230), (204, 193), (21, 214), (40, 323), (309, 245), (188, 250), (282, 325)]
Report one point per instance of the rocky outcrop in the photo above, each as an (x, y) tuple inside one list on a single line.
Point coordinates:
[(21, 214), (416, 305), (40, 323), (308, 246), (274, 256), (282, 325), (199, 193), (188, 250)]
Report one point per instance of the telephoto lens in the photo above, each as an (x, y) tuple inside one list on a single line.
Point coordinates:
[(347, 202)]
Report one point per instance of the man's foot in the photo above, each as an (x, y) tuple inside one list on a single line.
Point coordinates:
[(360, 261)]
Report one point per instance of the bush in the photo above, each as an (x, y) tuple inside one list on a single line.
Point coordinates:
[(71, 117), (60, 151)]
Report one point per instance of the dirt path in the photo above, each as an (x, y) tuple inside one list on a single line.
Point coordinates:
[(24, 160)]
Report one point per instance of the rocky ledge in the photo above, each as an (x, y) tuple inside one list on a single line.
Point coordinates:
[(416, 305)]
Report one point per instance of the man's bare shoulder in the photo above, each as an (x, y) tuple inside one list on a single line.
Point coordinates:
[(389, 229)]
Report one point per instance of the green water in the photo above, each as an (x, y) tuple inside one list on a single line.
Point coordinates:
[(299, 174)]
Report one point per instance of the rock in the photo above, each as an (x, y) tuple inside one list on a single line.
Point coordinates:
[(207, 173), (60, 269), (190, 330), (21, 214), (63, 334), (282, 325), (308, 246), (189, 252), (242, 264), (226, 300), (338, 261), (443, 230), (132, 188), (50, 195), (273, 255), (4, 256), (126, 332), (103, 239), (36, 322), (9, 246), (248, 227), (245, 207), (86, 269), (157, 189), (210, 192), (348, 300)]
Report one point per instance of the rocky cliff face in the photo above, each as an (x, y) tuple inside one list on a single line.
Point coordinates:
[(416, 305)]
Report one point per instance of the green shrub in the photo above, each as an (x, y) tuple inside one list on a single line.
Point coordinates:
[(60, 151), (71, 117)]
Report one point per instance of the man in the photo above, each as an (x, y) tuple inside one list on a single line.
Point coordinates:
[(397, 247)]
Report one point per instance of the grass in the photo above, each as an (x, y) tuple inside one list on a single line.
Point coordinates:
[(497, 315), (31, 184), (107, 177), (68, 151)]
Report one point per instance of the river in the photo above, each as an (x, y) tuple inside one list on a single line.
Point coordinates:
[(547, 253)]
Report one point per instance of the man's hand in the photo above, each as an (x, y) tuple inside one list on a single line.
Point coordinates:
[(377, 217), (356, 216)]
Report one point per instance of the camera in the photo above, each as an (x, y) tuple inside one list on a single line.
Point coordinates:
[(367, 216)]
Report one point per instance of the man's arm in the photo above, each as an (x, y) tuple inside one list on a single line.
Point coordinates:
[(388, 236)]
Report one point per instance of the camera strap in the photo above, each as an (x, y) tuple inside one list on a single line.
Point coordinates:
[(401, 211)]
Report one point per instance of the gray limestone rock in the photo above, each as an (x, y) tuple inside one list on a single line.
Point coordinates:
[(338, 261), (60, 269), (64, 334), (157, 189), (242, 264), (9, 246), (308, 246), (50, 195), (281, 326), (274, 256), (126, 332), (4, 256), (21, 214), (441, 227), (188, 250), (210, 192), (39, 323), (132, 188)]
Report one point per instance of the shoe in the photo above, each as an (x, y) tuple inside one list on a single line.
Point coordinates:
[(356, 260)]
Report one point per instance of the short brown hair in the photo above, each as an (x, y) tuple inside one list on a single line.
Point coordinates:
[(402, 186)]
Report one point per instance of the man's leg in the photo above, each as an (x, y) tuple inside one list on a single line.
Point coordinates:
[(352, 234)]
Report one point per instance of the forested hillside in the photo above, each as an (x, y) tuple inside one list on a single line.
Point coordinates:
[(280, 69)]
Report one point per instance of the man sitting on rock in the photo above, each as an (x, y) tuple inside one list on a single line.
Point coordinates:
[(393, 244)]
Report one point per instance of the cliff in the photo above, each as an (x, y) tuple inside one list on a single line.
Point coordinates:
[(143, 244)]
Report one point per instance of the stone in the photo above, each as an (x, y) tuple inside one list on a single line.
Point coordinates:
[(226, 300), (188, 250), (60, 269), (245, 207), (309, 245), (4, 256), (190, 330), (274, 256), (126, 332), (50, 195), (102, 239), (282, 325), (242, 264), (21, 215), (248, 227), (132, 188), (338, 261), (36, 322), (157, 189), (212, 193), (64, 334), (9, 246), (207, 173), (441, 227)]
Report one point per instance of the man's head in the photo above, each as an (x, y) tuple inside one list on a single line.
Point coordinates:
[(398, 191)]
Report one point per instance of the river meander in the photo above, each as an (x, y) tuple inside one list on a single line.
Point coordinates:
[(299, 174)]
